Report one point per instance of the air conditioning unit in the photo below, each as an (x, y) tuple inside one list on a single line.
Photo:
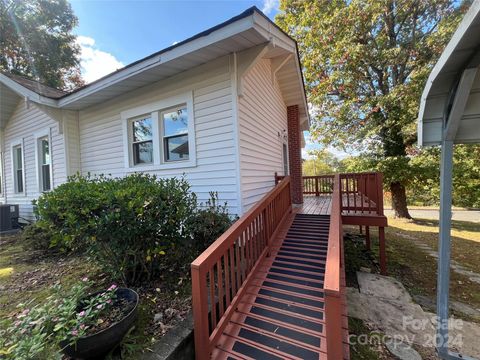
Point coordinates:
[(8, 217)]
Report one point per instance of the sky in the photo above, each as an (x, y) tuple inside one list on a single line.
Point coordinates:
[(114, 33)]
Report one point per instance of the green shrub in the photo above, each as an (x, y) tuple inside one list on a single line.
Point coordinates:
[(36, 237), (69, 214), (143, 222), (135, 227), (209, 222)]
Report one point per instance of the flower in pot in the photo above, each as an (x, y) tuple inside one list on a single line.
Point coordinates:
[(102, 319), (85, 326)]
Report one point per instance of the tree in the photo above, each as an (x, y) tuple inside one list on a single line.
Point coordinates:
[(365, 65), (36, 41), (320, 162)]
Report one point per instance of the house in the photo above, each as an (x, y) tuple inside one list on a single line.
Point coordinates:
[(450, 114), (225, 107)]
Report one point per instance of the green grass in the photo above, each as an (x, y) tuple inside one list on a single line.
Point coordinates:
[(417, 270), (28, 275)]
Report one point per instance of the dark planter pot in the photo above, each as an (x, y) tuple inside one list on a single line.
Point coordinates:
[(98, 345)]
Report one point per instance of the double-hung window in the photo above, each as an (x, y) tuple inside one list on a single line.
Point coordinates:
[(44, 164), (175, 134), (142, 140), (160, 135), (18, 168)]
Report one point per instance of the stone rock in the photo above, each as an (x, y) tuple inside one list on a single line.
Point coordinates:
[(158, 318), (402, 350), (365, 269), (382, 287)]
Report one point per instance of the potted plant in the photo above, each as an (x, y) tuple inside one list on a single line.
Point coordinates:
[(101, 321)]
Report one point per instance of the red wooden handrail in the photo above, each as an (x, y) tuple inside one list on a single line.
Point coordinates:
[(221, 273), (332, 283)]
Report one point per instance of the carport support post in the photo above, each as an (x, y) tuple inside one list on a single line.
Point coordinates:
[(444, 246)]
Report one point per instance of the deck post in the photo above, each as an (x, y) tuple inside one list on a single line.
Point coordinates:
[(382, 251), (200, 314)]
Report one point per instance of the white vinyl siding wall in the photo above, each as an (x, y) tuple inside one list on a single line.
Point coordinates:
[(23, 126), (102, 140), (262, 116)]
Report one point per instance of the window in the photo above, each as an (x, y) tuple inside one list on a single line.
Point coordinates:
[(142, 141), (160, 135), (18, 168), (44, 164), (175, 134), (285, 159)]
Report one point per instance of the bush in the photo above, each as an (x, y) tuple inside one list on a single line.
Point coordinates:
[(143, 222), (135, 227), (69, 214), (36, 237), (209, 222)]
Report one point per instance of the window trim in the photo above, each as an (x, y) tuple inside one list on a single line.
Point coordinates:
[(155, 109), (2, 179), (13, 145), (38, 156)]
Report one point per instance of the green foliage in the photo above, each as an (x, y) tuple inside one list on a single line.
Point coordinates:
[(37, 238), (365, 65), (37, 41), (321, 162), (421, 172), (135, 227), (70, 213), (142, 223), (209, 222), (35, 332)]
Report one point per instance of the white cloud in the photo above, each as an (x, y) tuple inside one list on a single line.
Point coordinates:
[(94, 62), (269, 6)]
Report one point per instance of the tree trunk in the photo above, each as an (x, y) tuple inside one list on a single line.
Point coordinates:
[(399, 200)]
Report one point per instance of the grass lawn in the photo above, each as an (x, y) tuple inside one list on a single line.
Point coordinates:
[(417, 270), (27, 276)]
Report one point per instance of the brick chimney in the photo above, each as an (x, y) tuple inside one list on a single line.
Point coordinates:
[(295, 154)]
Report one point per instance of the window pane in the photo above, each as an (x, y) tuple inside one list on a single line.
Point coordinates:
[(18, 157), (45, 177), (19, 181), (143, 153), (142, 130), (45, 149), (176, 148), (175, 122)]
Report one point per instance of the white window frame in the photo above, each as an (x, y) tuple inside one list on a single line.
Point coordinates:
[(38, 158), (13, 146), (130, 121), (154, 109)]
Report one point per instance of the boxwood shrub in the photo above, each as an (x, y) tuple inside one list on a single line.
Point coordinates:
[(135, 226)]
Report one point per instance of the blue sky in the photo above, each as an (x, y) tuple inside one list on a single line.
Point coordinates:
[(115, 33)]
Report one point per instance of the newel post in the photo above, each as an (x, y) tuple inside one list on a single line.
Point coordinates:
[(200, 314)]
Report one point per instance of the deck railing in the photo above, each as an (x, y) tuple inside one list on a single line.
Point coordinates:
[(221, 274), (362, 193), (332, 283)]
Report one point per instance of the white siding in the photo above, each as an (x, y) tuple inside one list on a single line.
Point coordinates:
[(72, 142), (262, 116), (101, 131), (25, 122)]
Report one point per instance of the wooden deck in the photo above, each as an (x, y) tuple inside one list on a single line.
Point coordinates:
[(281, 315), (322, 205), (273, 285)]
